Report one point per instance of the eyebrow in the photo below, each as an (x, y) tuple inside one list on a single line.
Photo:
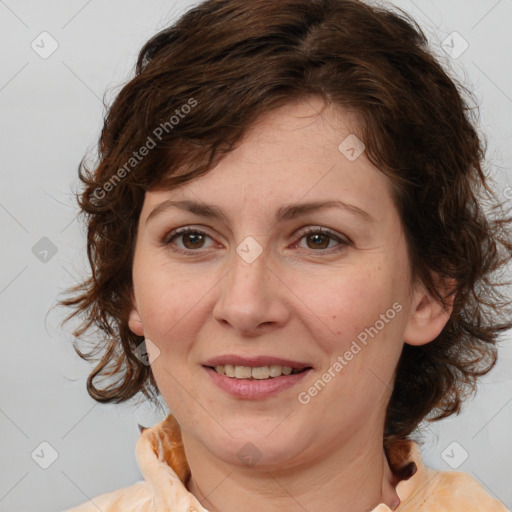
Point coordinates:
[(286, 212)]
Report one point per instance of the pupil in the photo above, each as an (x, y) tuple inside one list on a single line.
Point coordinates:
[(194, 236), (316, 239)]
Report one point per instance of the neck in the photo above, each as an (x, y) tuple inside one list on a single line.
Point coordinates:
[(349, 478)]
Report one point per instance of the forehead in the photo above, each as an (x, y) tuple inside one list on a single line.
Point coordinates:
[(298, 152)]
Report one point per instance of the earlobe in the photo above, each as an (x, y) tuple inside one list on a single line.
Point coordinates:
[(428, 317), (134, 320)]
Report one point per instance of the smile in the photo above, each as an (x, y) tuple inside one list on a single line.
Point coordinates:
[(257, 372)]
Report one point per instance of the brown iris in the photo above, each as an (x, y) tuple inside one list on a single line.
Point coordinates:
[(317, 237), (197, 239)]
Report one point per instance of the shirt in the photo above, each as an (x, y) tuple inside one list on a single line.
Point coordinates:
[(162, 462)]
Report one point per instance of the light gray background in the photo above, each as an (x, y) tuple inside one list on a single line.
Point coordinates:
[(51, 113)]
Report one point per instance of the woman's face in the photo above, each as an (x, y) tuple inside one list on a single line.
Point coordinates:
[(264, 279)]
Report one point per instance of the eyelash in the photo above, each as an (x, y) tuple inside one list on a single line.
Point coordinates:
[(303, 234)]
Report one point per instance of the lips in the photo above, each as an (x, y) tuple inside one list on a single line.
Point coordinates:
[(255, 389), (254, 362)]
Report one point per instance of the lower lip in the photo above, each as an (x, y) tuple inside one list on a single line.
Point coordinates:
[(253, 388)]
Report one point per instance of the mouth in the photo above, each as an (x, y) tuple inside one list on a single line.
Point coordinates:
[(256, 372), (256, 381), (256, 367)]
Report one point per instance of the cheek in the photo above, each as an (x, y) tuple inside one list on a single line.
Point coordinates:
[(167, 301), (362, 317), (349, 302)]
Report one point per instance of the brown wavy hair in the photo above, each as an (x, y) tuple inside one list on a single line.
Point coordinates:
[(202, 82)]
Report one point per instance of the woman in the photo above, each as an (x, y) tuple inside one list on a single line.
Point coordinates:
[(288, 243)]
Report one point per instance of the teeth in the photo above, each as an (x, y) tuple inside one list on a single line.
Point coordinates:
[(261, 372), (258, 372), (274, 370), (242, 372)]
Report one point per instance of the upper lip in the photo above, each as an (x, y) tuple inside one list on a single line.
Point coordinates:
[(256, 361)]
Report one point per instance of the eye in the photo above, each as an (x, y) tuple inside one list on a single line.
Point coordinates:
[(320, 238), (192, 239)]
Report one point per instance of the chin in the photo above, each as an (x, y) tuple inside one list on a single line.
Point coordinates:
[(259, 455), (266, 444)]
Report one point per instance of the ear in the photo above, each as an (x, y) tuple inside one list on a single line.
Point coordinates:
[(134, 319), (428, 317)]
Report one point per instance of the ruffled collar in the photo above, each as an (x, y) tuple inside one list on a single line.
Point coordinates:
[(162, 461)]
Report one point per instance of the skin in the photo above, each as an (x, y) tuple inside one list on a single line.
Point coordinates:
[(304, 298)]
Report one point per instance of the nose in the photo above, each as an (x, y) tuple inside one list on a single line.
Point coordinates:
[(252, 299)]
